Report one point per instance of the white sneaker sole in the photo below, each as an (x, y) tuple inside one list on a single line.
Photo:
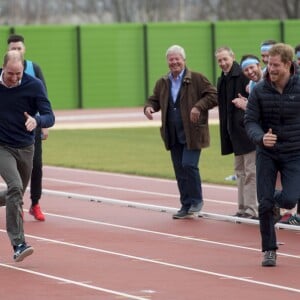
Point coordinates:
[(24, 254)]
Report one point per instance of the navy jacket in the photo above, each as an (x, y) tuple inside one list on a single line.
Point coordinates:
[(31, 97), (267, 108), (232, 131)]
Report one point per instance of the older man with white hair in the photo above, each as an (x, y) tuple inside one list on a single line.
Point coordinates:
[(184, 98)]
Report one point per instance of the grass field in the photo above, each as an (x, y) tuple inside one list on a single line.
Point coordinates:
[(138, 151)]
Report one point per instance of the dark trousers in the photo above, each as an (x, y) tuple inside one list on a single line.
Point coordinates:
[(267, 166), (15, 169), (185, 164), (37, 172)]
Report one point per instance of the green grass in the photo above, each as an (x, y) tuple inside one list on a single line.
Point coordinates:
[(138, 151)]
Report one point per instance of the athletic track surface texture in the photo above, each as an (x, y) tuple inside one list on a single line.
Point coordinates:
[(111, 236)]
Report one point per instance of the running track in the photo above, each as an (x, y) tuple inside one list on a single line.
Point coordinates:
[(111, 236)]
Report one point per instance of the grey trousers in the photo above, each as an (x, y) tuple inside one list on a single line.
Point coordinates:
[(15, 169), (245, 169)]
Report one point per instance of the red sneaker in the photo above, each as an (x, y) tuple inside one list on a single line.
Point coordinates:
[(37, 213)]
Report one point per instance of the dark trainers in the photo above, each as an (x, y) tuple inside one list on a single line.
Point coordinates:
[(195, 208), (182, 214), (269, 259), (293, 220), (238, 214), (276, 213), (22, 251), (249, 216)]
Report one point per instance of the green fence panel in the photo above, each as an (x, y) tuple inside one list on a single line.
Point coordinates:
[(245, 37), (54, 48), (194, 37), (291, 31), (4, 33), (113, 65), (117, 65)]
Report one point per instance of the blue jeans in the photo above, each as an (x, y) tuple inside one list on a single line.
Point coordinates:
[(267, 166), (185, 164)]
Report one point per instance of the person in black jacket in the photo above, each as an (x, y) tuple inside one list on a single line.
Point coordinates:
[(292, 217), (234, 139), (17, 42), (297, 54), (272, 122)]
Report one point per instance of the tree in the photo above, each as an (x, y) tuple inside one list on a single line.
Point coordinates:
[(16, 12)]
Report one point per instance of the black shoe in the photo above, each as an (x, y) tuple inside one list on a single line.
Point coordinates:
[(248, 216), (22, 251), (238, 214), (195, 207), (276, 213), (182, 214), (269, 259)]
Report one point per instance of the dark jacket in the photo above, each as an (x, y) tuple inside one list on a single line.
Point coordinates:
[(267, 108), (196, 91), (30, 96), (232, 131)]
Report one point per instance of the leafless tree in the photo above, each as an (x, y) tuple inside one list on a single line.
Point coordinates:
[(16, 12), (292, 8)]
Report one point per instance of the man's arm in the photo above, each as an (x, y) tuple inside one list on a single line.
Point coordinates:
[(252, 120), (45, 118)]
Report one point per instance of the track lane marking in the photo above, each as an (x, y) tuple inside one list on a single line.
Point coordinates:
[(153, 261), (136, 177), (77, 283), (108, 187)]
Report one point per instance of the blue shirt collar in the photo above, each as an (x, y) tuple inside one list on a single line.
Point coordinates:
[(179, 76)]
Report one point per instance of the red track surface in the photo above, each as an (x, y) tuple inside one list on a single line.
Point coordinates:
[(111, 236), (109, 250)]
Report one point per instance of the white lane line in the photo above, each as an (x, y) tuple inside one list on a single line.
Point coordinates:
[(169, 235), (165, 234), (114, 188), (80, 284), (152, 261), (104, 125), (109, 125), (135, 177), (100, 116)]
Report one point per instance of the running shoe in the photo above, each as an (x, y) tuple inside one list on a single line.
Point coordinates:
[(195, 208), (21, 251), (269, 259), (182, 214), (293, 220), (37, 213)]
